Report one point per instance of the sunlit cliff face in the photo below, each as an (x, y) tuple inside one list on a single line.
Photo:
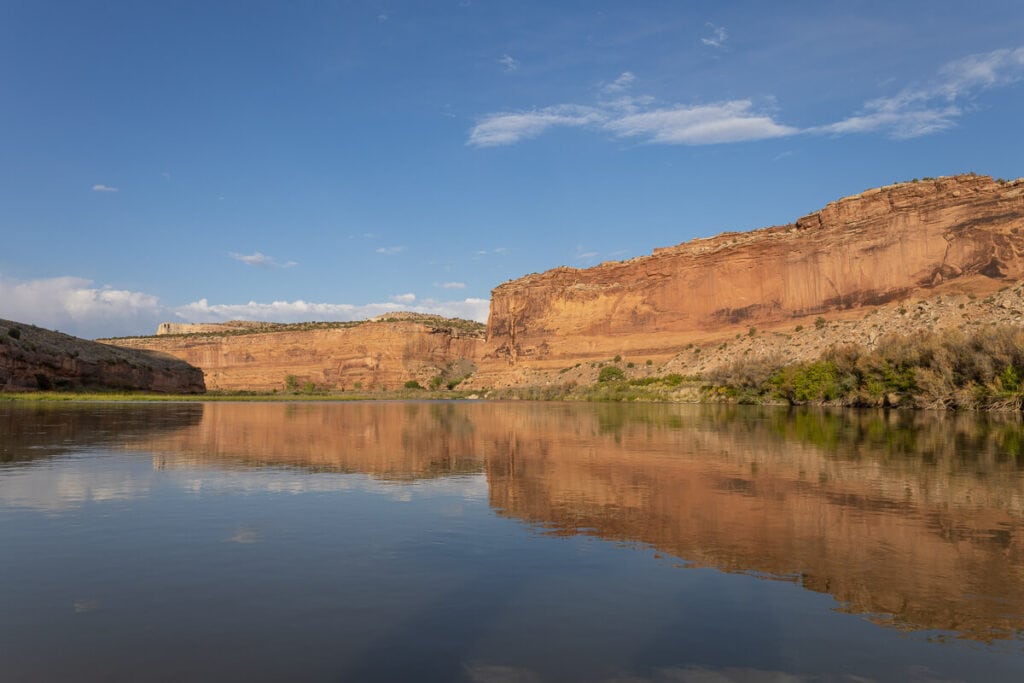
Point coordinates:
[(374, 355), (888, 244), (916, 520)]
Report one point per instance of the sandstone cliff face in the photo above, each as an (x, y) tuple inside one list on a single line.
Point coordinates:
[(34, 358), (382, 354), (879, 246)]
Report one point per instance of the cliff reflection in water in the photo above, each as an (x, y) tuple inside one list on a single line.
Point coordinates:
[(914, 519)]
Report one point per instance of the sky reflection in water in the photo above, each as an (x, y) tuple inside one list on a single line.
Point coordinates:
[(508, 542)]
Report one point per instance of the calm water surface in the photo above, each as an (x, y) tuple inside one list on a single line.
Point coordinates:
[(508, 542)]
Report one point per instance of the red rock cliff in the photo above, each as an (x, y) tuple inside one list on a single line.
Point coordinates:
[(881, 245), (375, 354)]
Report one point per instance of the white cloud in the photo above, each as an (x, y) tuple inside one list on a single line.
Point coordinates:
[(100, 187), (709, 124), (391, 251), (718, 36), (629, 117), (509, 63), (936, 106), (734, 121), (912, 112), (505, 128), (304, 311), (261, 260), (75, 306), (451, 285), (484, 252), (623, 82)]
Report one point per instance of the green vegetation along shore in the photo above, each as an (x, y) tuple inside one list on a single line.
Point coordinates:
[(949, 370)]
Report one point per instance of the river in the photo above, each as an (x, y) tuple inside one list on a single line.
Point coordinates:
[(478, 541)]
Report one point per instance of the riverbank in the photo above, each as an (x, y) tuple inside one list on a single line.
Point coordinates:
[(981, 370), (233, 397)]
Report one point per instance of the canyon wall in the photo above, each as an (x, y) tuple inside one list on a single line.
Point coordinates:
[(33, 358), (958, 233), (376, 354)]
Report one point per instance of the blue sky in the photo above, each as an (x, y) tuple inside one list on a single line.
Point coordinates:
[(205, 161)]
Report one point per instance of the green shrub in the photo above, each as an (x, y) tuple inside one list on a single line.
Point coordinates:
[(819, 322), (14, 333), (611, 373), (412, 384)]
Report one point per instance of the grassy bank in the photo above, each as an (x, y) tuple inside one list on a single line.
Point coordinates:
[(950, 370), (240, 397)]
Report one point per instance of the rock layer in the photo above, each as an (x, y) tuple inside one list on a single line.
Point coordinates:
[(862, 251), (378, 354), (34, 358)]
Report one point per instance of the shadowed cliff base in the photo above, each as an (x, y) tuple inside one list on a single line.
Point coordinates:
[(33, 358)]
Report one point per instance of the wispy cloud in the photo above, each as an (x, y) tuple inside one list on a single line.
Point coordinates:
[(717, 36), (508, 63), (260, 260), (391, 251), (733, 121), (505, 128), (621, 83), (451, 285), (486, 252), (912, 112), (100, 187), (935, 106), (404, 298)]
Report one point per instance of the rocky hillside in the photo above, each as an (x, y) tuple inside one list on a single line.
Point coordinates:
[(884, 249), (35, 358), (378, 354)]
